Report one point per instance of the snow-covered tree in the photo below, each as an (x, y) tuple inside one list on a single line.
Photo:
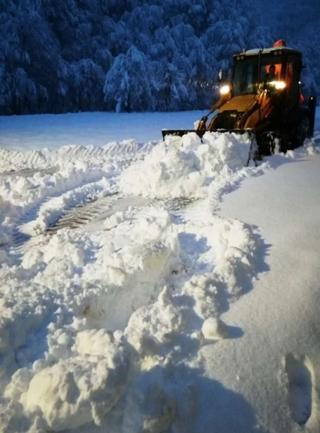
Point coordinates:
[(127, 85), (66, 55)]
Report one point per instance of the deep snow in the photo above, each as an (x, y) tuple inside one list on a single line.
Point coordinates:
[(134, 299), (278, 357)]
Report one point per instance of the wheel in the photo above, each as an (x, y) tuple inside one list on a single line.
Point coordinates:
[(267, 142), (302, 131)]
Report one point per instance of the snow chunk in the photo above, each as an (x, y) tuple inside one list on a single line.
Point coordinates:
[(214, 329), (83, 388), (154, 324)]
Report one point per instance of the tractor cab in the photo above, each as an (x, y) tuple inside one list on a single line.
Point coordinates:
[(276, 70)]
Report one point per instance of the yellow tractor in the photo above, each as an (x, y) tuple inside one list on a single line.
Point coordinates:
[(264, 98)]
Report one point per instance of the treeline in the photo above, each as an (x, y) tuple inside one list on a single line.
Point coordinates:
[(123, 55)]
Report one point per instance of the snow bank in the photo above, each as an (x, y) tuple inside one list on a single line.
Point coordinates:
[(184, 167)]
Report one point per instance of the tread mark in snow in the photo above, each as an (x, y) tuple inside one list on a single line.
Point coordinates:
[(96, 210), (106, 206), (82, 214), (29, 171), (300, 387)]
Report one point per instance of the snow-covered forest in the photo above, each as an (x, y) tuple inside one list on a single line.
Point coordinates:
[(137, 55)]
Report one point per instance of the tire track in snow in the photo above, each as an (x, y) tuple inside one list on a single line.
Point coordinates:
[(79, 193), (89, 213), (45, 162), (104, 207), (95, 211)]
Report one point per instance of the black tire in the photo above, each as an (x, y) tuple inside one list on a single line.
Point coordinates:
[(267, 142)]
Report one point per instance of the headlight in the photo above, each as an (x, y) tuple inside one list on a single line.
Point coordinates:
[(225, 89), (278, 85)]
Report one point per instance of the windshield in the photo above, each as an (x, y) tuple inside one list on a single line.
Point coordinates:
[(246, 76)]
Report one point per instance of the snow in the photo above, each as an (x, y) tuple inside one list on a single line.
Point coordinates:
[(279, 317), (214, 329), (184, 167), (55, 130), (161, 286)]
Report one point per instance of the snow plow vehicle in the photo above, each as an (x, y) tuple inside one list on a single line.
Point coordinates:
[(263, 98)]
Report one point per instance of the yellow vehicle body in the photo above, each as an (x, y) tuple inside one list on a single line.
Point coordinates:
[(262, 97)]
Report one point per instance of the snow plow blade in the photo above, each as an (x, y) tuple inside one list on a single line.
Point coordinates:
[(200, 133), (180, 132)]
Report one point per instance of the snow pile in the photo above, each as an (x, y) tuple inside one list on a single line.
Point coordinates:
[(184, 167), (141, 288), (216, 265), (76, 390), (70, 366), (220, 255)]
